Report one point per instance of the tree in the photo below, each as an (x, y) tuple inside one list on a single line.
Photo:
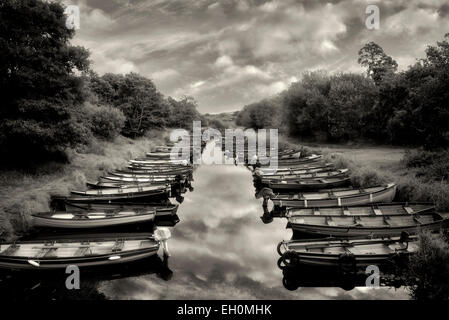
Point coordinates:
[(379, 64), (137, 97), (182, 112), (39, 85)]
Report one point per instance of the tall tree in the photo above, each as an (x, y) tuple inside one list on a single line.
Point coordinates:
[(377, 62), (39, 81)]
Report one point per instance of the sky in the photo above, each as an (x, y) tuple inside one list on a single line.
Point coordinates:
[(230, 53)]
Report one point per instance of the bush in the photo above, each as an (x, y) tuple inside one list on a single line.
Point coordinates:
[(105, 122), (428, 272), (366, 177), (430, 165), (415, 190)]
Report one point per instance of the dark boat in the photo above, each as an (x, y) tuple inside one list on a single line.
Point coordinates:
[(92, 218), (335, 252), (328, 198), (120, 194), (323, 183), (264, 179), (349, 226), (54, 254), (160, 209)]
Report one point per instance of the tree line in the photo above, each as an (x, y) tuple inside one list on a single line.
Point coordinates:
[(410, 107), (52, 100)]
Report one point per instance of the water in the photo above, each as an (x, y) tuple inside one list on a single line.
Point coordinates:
[(220, 249)]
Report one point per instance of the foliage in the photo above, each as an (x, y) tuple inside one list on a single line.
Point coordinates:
[(431, 165), (405, 108), (138, 99), (428, 272), (378, 63), (105, 122), (39, 84), (263, 114), (182, 112)]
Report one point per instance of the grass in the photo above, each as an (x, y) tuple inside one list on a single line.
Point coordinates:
[(427, 273), (23, 193), (373, 165)]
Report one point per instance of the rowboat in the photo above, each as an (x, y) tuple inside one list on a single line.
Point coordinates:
[(307, 184), (118, 193), (149, 175), (264, 179), (295, 170), (329, 198), (377, 225), (160, 162), (334, 252), (378, 209), (161, 155), (140, 180), (92, 218), (124, 185), (134, 170), (160, 209), (40, 254)]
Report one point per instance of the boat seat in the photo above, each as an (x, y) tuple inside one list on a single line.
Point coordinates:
[(82, 251), (43, 252), (316, 211), (118, 246), (409, 210), (377, 211), (330, 222), (11, 249)]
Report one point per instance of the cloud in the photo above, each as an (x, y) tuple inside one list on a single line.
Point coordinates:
[(231, 53)]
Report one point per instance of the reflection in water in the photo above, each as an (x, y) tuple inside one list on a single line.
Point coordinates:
[(221, 250), (50, 285)]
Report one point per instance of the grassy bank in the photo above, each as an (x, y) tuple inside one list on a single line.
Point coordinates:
[(25, 192), (372, 165)]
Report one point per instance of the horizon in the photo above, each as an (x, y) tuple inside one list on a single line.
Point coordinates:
[(232, 53)]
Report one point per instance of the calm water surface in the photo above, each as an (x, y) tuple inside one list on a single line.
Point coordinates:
[(220, 249)]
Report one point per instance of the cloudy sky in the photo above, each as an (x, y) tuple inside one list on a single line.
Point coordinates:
[(229, 53)]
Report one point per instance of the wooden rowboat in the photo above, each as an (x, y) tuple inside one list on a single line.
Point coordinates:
[(124, 185), (150, 175), (139, 179), (264, 179), (323, 183), (156, 171), (40, 254), (159, 162), (329, 198), (92, 218), (295, 170), (377, 225), (119, 193), (378, 209), (334, 252), (160, 209)]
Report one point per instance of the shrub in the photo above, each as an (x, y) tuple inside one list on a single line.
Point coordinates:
[(428, 272), (414, 189), (105, 122), (365, 177), (431, 165)]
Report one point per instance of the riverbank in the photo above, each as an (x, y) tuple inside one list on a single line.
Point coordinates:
[(378, 164), (23, 193)]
